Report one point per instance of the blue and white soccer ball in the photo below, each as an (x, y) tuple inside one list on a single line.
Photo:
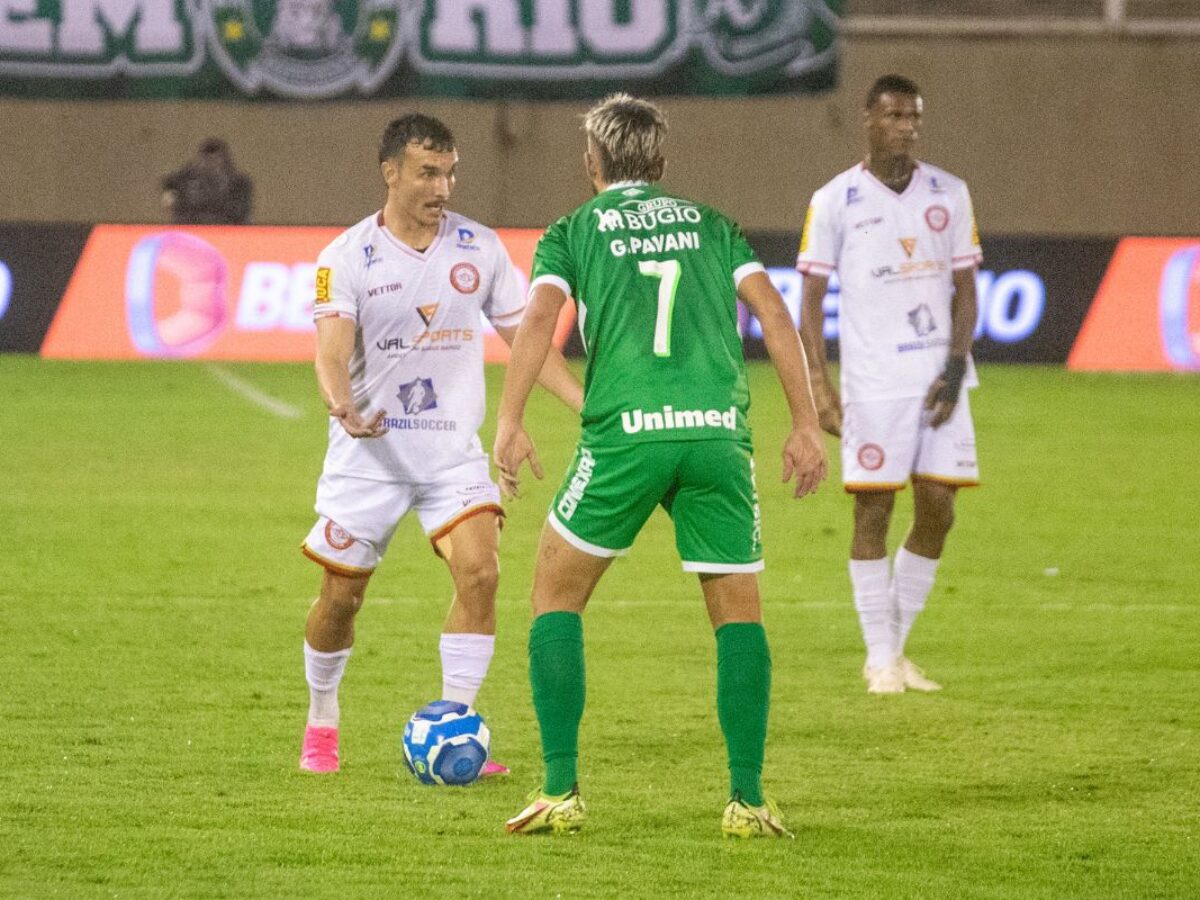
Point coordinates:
[(446, 743)]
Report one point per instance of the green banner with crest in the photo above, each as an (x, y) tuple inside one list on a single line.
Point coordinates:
[(339, 49)]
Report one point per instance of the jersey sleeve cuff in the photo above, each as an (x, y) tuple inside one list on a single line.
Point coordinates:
[(332, 312), (745, 270), (512, 317), (966, 262), (555, 280), (812, 267)]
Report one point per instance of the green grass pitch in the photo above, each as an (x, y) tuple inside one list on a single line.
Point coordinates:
[(152, 696)]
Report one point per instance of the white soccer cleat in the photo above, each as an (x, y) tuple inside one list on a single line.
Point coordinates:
[(884, 679), (914, 678)]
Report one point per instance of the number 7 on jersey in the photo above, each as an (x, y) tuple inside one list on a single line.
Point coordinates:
[(667, 271)]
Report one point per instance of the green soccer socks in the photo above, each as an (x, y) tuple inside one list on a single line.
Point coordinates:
[(743, 698), (556, 674)]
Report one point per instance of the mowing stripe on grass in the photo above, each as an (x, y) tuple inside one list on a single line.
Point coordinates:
[(249, 392)]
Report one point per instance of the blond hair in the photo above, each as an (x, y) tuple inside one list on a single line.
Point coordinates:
[(627, 134)]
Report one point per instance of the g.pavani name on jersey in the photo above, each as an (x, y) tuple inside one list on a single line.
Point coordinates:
[(647, 216), (668, 419)]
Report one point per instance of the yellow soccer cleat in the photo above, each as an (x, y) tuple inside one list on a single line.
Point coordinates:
[(744, 821), (560, 815)]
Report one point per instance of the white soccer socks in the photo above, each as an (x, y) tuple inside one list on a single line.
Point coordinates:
[(465, 661), (872, 599), (323, 672), (912, 580)]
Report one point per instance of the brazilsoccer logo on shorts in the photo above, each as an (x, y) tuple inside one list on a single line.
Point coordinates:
[(305, 48)]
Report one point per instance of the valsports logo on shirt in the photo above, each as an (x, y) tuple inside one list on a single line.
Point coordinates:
[(417, 396)]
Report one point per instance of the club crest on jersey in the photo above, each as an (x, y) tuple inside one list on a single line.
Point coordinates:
[(338, 537), (870, 457), (369, 253), (427, 313), (852, 195), (937, 217), (465, 278), (921, 320), (909, 245), (417, 396)]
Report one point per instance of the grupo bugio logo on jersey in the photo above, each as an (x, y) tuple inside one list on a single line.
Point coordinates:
[(305, 48)]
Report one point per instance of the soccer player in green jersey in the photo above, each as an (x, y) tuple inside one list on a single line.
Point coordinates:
[(655, 278)]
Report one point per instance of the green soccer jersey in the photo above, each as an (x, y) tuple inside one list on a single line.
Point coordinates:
[(654, 280)]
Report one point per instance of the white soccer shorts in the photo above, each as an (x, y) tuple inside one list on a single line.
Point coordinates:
[(885, 442), (358, 516)]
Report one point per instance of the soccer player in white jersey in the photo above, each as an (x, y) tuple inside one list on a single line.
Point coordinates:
[(901, 235), (400, 366)]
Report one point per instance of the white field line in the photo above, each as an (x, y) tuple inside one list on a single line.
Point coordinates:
[(249, 392)]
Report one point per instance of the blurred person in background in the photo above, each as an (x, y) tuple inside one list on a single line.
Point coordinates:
[(901, 235), (209, 189)]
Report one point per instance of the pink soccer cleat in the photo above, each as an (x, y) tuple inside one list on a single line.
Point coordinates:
[(493, 770), (319, 754)]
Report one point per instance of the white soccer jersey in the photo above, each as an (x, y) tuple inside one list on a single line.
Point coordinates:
[(419, 348), (894, 254)]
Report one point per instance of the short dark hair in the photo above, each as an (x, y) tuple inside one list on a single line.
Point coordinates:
[(414, 128), (891, 84)]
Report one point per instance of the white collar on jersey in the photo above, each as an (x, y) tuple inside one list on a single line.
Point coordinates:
[(618, 185)]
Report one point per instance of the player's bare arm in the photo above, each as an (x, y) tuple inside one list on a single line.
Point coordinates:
[(804, 449), (530, 348), (556, 376), (812, 336), (944, 392), (335, 346)]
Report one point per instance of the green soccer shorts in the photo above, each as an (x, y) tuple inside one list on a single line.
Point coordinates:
[(706, 487)]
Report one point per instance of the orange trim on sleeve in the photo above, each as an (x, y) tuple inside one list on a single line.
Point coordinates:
[(509, 315), (462, 517), (335, 568), (867, 487), (952, 482)]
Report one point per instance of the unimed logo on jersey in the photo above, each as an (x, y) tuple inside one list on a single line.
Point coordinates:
[(218, 292)]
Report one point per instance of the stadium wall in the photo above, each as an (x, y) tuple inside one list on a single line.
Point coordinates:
[(1056, 134)]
